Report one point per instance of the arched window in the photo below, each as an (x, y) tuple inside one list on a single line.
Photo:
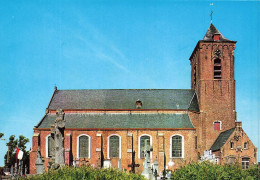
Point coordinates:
[(177, 146), (49, 146), (84, 146), (114, 146), (142, 144), (217, 69)]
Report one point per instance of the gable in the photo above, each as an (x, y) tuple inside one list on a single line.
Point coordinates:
[(125, 99)]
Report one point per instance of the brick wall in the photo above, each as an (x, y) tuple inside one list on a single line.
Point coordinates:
[(129, 139), (216, 97), (238, 151)]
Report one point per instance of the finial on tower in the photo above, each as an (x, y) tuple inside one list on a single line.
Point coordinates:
[(211, 4)]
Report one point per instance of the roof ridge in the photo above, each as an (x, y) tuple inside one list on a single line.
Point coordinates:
[(227, 130), (117, 89)]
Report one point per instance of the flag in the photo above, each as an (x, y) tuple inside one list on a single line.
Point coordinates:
[(19, 153)]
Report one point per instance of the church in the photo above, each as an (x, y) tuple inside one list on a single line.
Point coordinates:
[(110, 127)]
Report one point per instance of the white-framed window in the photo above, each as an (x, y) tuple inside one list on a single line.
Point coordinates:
[(177, 146), (114, 146), (217, 125), (246, 145), (245, 162), (141, 144), (83, 146), (49, 146), (231, 145)]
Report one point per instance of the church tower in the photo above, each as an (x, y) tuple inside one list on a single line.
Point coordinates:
[(212, 76)]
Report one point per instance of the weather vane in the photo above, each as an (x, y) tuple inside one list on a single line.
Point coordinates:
[(211, 4)]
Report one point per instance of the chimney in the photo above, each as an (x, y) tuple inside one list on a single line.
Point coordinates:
[(238, 125), (216, 36)]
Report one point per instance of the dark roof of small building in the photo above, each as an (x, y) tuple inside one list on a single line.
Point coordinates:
[(120, 120), (185, 99), (221, 140), (211, 31)]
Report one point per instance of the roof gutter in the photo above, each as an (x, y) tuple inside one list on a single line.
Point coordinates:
[(113, 129)]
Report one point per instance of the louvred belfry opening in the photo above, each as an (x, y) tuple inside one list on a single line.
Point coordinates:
[(217, 68)]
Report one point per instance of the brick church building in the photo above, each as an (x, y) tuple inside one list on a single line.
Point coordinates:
[(110, 126)]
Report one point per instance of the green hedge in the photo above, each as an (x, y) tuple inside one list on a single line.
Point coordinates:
[(87, 172), (211, 171)]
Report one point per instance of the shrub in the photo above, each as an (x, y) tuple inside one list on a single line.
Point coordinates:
[(211, 171), (86, 172), (254, 172)]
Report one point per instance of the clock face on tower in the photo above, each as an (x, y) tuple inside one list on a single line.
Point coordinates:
[(217, 53)]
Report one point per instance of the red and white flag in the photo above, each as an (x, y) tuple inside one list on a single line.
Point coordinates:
[(19, 153)]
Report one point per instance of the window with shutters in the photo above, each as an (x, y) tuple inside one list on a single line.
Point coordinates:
[(49, 146), (217, 125), (245, 163), (114, 146), (177, 146), (142, 144), (84, 146)]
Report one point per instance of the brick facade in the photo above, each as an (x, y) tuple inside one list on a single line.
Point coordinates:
[(216, 96), (239, 149), (216, 100), (129, 143)]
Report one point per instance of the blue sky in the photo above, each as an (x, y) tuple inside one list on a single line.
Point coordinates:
[(115, 45)]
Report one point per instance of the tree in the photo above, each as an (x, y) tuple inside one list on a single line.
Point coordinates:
[(1, 135), (11, 153)]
